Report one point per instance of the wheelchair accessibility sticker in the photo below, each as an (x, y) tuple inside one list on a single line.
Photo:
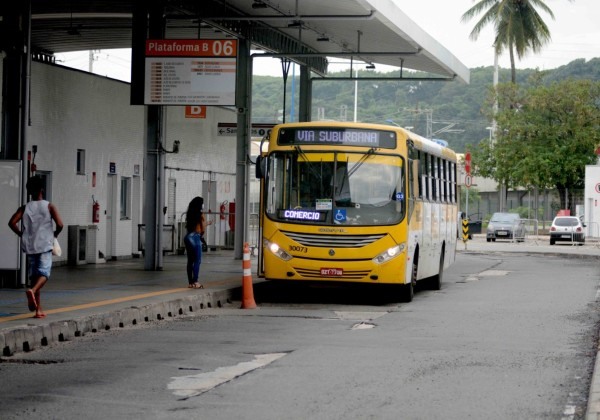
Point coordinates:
[(340, 215)]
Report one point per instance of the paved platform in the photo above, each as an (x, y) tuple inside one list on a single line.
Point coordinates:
[(94, 297), (90, 298)]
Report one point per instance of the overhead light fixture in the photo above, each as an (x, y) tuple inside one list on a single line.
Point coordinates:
[(323, 38), (370, 66), (259, 5)]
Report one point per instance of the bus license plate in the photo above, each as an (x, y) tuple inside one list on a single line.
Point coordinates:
[(332, 272)]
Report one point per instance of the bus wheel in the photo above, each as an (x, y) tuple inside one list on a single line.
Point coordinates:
[(407, 291), (435, 282)]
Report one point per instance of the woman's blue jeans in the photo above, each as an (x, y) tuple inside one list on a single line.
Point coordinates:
[(193, 249)]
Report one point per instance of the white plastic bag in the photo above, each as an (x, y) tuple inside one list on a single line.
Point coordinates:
[(56, 248)]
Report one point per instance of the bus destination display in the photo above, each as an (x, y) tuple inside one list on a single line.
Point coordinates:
[(337, 136)]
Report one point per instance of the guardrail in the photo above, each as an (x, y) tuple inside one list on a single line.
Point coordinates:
[(531, 229), (218, 233)]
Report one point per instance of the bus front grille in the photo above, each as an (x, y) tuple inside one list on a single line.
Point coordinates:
[(333, 241)]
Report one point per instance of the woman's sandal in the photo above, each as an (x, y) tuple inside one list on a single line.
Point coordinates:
[(198, 286)]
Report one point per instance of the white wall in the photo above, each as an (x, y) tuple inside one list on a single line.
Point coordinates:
[(73, 110), (592, 200)]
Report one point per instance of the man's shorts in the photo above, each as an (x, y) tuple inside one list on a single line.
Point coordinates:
[(40, 264)]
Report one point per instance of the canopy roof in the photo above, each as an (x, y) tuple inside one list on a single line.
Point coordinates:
[(306, 31)]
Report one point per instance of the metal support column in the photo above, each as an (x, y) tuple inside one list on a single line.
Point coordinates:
[(150, 19), (305, 100), (243, 93), (16, 76)]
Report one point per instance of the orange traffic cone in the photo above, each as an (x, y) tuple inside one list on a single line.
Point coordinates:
[(247, 292)]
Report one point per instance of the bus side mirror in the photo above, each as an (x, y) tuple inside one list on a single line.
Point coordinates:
[(261, 166)]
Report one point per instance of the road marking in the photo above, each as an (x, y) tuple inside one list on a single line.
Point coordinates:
[(493, 273), (363, 326), (194, 385)]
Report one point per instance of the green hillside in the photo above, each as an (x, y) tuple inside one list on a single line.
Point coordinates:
[(448, 110)]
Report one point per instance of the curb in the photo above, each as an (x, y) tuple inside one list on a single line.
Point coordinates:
[(28, 338), (593, 407)]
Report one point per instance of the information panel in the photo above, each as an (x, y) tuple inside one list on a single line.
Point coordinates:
[(190, 72), (341, 136)]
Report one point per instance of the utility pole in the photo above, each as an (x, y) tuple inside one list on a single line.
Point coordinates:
[(92, 58)]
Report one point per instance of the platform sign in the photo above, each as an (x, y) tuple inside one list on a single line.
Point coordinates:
[(195, 111), (230, 129), (190, 72)]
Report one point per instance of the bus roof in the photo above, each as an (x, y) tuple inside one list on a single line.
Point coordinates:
[(421, 143)]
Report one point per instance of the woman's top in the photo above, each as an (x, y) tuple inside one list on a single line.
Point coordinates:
[(200, 227), (38, 230)]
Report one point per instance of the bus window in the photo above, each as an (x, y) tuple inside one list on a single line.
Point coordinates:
[(341, 184), (356, 188)]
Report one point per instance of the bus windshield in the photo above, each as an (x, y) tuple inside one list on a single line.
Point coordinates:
[(333, 188)]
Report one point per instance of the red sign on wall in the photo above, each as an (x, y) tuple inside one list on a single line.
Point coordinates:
[(195, 111)]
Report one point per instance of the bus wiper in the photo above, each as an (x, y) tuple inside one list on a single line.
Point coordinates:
[(362, 160), (308, 162)]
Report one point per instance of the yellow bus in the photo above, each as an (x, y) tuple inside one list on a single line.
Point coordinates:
[(358, 203)]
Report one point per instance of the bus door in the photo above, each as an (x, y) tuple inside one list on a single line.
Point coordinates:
[(260, 174)]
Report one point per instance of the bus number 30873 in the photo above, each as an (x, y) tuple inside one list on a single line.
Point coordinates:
[(302, 249)]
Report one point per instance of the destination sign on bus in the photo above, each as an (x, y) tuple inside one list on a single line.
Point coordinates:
[(337, 137), (308, 215)]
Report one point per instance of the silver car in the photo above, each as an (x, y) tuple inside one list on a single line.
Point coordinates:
[(505, 226)]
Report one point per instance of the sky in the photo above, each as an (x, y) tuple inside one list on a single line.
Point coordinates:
[(575, 33)]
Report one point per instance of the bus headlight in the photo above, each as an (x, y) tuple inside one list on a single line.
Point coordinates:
[(277, 250), (389, 254)]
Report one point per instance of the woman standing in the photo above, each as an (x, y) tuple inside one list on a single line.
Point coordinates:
[(195, 226)]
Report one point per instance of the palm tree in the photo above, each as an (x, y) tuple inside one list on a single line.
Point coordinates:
[(518, 26)]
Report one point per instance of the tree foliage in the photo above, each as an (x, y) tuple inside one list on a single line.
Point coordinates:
[(546, 135), (404, 102), (517, 24)]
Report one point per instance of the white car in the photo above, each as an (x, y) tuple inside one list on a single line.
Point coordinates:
[(567, 228)]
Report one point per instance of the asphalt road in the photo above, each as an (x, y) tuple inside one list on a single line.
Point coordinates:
[(507, 337)]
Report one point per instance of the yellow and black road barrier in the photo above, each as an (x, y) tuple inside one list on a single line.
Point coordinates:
[(465, 230)]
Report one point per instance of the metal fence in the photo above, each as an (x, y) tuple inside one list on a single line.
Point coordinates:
[(218, 234)]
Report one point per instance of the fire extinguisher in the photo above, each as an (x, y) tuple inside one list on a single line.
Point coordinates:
[(222, 210), (95, 211), (232, 216)]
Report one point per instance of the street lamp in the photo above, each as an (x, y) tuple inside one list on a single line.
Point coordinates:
[(492, 131)]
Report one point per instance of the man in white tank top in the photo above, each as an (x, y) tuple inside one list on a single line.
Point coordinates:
[(37, 238)]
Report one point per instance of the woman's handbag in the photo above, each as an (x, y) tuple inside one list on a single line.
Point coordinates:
[(56, 248)]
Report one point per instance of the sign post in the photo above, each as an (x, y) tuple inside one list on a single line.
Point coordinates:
[(468, 182), (465, 230)]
